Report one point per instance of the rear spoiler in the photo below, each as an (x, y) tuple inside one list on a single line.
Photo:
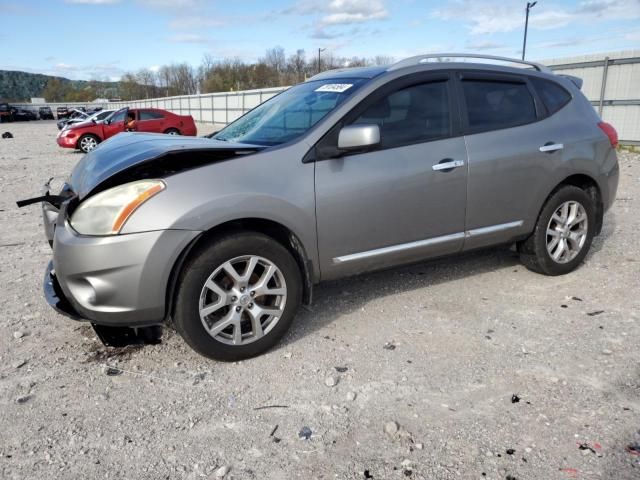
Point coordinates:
[(577, 81)]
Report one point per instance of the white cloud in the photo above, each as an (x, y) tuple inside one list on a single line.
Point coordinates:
[(187, 38), (337, 13), (154, 68), (496, 16)]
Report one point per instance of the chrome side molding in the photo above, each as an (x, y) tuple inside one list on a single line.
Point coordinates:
[(426, 243)]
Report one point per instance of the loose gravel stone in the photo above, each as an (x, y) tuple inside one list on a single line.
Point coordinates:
[(391, 428), (331, 380)]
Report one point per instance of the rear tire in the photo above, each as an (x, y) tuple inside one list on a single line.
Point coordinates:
[(563, 233), (238, 296), (172, 131)]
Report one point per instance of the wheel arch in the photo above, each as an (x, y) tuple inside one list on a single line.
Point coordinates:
[(275, 230), (591, 187)]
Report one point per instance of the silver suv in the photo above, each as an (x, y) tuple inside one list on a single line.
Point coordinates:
[(354, 170)]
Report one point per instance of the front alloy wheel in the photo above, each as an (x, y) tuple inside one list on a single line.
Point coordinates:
[(238, 296), (88, 143), (243, 300)]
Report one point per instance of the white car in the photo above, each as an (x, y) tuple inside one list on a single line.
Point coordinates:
[(85, 117)]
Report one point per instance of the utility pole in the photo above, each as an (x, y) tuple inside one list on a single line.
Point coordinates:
[(530, 5), (320, 50)]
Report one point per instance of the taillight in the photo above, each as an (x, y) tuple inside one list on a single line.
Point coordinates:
[(608, 129)]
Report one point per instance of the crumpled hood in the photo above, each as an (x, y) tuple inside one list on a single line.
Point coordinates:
[(127, 150)]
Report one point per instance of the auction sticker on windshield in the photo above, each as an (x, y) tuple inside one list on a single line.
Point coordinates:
[(334, 87)]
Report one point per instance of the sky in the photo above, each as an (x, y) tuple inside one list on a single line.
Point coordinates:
[(102, 39)]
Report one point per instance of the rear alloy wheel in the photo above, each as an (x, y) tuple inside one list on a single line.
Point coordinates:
[(238, 296), (172, 131), (563, 233), (87, 143)]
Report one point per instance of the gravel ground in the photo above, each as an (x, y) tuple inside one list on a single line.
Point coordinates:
[(407, 373)]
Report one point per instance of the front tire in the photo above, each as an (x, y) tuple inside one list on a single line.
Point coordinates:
[(172, 131), (88, 143), (238, 296), (563, 233)]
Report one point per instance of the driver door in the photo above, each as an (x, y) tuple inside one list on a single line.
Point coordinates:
[(396, 203), (116, 123)]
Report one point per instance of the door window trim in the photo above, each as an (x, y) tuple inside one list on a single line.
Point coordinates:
[(455, 130), (485, 75)]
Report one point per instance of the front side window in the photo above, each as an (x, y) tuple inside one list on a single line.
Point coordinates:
[(290, 114), (492, 105), (415, 114), (117, 117)]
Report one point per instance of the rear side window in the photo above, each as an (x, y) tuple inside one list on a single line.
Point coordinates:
[(492, 105), (150, 115), (411, 115), (553, 95)]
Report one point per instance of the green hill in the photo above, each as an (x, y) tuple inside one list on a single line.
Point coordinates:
[(21, 86)]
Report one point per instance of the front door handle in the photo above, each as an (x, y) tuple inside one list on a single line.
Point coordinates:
[(551, 147), (448, 164)]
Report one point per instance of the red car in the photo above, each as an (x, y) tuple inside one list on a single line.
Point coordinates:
[(86, 136)]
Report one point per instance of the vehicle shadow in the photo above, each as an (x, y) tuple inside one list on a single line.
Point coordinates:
[(353, 293)]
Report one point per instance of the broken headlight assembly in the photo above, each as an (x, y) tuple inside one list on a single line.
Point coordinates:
[(106, 212)]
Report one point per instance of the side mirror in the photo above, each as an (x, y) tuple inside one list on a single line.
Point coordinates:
[(355, 137)]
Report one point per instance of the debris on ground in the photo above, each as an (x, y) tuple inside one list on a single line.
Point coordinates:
[(19, 334), (341, 369), (510, 451), (7, 135), (305, 433), (111, 371), (264, 407), (23, 399), (222, 471), (515, 398), (389, 346), (571, 472), (391, 428), (634, 447), (331, 380), (19, 364), (586, 447), (351, 396), (594, 313)]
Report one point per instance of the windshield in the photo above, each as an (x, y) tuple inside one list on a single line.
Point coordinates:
[(290, 114)]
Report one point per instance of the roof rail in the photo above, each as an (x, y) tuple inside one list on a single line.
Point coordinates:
[(422, 59)]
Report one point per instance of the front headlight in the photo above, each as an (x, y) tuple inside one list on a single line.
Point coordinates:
[(107, 212)]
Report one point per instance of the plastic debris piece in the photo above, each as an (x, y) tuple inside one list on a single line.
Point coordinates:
[(305, 433)]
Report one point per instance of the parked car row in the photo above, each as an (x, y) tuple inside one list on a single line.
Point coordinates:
[(85, 133), (11, 113)]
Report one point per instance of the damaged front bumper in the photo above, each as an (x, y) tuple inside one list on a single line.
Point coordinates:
[(114, 280)]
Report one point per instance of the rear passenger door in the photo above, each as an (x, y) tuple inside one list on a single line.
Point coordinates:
[(150, 121), (508, 174), (404, 199)]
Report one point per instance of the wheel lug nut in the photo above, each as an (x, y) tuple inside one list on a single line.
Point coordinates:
[(253, 294), (251, 305), (242, 289), (233, 299), (238, 309)]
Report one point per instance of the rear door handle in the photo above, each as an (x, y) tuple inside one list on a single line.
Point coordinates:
[(551, 147), (448, 164)]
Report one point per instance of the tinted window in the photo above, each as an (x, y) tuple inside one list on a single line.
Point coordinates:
[(415, 114), (117, 117), (150, 115), (553, 95), (497, 104)]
